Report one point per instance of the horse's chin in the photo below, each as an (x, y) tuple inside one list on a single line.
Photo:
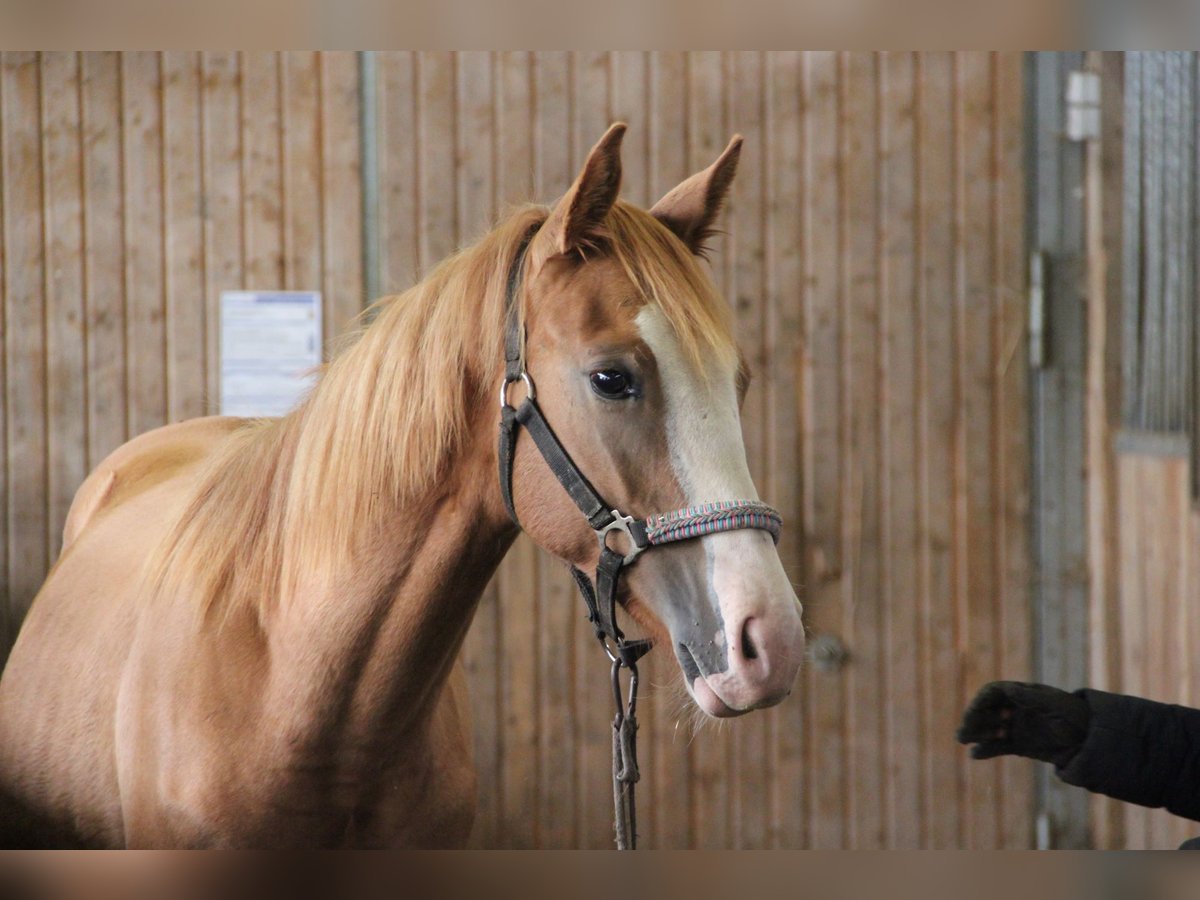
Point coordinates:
[(710, 704)]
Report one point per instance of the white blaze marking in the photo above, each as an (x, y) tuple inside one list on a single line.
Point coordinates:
[(704, 438), (704, 433)]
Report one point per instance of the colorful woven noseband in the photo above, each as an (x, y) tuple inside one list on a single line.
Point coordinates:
[(712, 517)]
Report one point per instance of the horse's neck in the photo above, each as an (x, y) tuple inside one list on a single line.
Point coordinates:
[(367, 646)]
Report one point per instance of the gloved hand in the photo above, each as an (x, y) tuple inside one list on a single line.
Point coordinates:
[(1033, 720)]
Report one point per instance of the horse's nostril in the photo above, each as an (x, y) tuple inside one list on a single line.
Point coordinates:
[(749, 651)]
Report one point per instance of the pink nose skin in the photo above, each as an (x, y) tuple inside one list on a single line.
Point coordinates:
[(763, 663)]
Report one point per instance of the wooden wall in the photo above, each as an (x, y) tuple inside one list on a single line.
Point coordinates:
[(133, 189), (1159, 614), (874, 254)]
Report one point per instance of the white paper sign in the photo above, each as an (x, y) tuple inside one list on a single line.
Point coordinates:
[(270, 345)]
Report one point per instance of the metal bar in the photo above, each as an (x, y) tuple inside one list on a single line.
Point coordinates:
[(1188, 236), (1194, 235), (1131, 228), (369, 148), (1151, 376), (1170, 416), (1187, 195), (1060, 592)]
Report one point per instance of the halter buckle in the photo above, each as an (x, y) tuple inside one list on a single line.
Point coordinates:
[(530, 394), (620, 523)]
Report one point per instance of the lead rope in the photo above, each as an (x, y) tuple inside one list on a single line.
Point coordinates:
[(625, 765)]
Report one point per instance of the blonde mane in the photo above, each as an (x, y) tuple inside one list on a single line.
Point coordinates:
[(389, 413)]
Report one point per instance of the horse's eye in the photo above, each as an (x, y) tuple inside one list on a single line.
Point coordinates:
[(612, 384)]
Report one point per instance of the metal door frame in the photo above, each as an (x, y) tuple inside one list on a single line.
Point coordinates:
[(1060, 591)]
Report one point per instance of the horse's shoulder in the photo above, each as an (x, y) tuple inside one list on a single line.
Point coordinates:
[(143, 462)]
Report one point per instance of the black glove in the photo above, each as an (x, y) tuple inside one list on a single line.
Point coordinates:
[(1033, 720)]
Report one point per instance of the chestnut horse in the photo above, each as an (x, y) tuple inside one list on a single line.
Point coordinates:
[(251, 636)]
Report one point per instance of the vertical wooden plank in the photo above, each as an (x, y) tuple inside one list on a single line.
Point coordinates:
[(141, 94), (1012, 474), (590, 111), (221, 160), (898, 449), (342, 281), (667, 122), (398, 141), (104, 252), (1190, 597), (977, 433), (938, 647), (860, 435), (66, 361), (751, 772), (824, 476), (187, 325), (1182, 651), (1161, 602), (1172, 532), (630, 91), (475, 150), (711, 749), (668, 725), (1156, 499), (25, 330), (435, 128), (1132, 494), (262, 171), (785, 341), (300, 89), (1150, 502), (1183, 597), (1105, 208)]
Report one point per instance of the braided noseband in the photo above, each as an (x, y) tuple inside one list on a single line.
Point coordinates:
[(709, 518)]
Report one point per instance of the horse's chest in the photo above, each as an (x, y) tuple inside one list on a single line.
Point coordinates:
[(420, 803), (420, 793), (407, 799)]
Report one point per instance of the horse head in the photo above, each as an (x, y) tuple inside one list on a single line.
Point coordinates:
[(632, 354)]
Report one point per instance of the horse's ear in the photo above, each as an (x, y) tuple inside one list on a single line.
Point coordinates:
[(575, 221), (691, 207)]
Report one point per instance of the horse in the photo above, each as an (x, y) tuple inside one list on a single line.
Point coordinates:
[(251, 636)]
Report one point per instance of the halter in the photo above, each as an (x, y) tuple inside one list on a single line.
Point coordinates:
[(640, 534)]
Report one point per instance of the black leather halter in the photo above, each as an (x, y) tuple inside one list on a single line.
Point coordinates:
[(601, 598)]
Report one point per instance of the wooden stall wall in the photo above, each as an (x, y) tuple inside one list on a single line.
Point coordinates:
[(134, 188), (1159, 614), (874, 255), (1144, 530)]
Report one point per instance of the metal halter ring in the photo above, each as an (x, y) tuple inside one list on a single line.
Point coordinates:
[(530, 394), (620, 523)]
